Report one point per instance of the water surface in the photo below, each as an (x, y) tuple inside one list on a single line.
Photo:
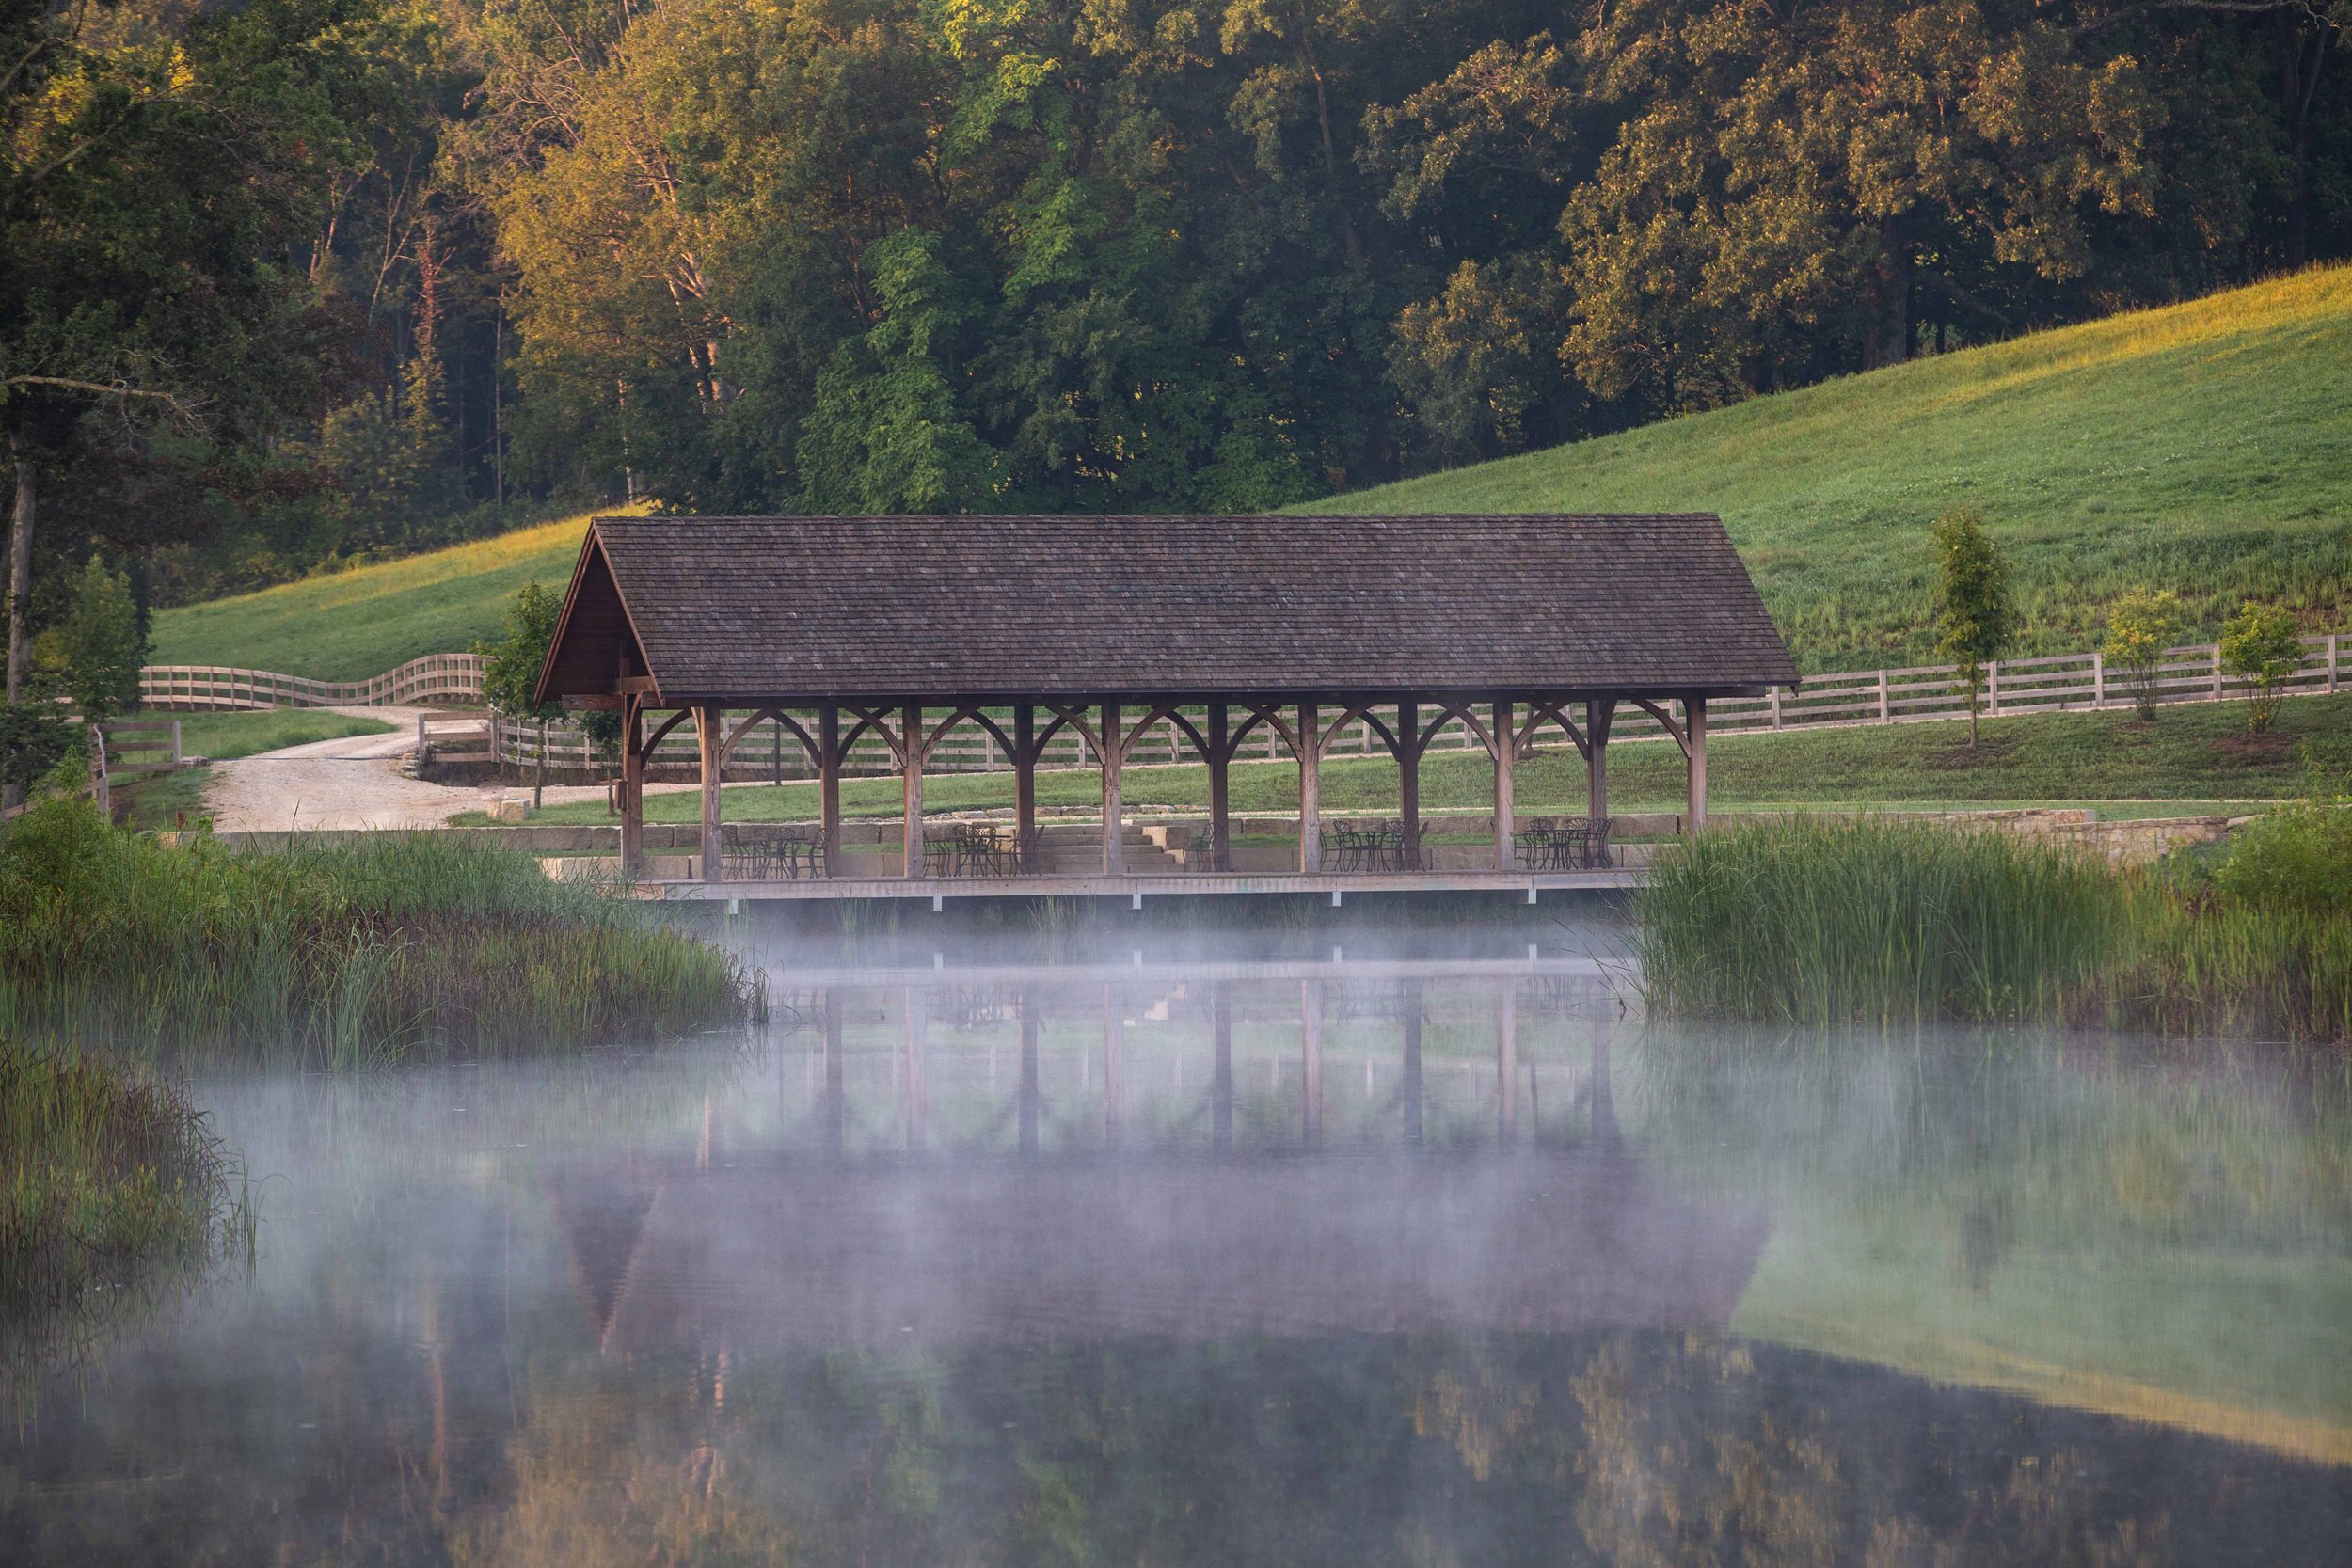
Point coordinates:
[(1425, 1251)]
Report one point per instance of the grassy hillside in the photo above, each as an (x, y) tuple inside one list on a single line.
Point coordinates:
[(345, 626), (2206, 448)]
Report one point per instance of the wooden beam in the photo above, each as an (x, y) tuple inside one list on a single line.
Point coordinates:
[(1600, 714), (1220, 794), (1025, 780), (910, 771), (1695, 726), (710, 738), (1506, 746), (1114, 805), (632, 789), (1408, 779), (828, 786), (1310, 790)]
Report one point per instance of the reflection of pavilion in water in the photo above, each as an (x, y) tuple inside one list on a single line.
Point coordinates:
[(1132, 1204)]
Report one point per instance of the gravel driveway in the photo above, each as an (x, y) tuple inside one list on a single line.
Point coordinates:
[(352, 782)]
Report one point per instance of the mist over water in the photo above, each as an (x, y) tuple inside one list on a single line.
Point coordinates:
[(1336, 1241)]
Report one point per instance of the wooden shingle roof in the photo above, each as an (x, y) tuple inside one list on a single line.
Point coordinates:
[(820, 608)]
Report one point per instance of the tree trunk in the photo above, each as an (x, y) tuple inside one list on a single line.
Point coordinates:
[(1886, 302), (21, 568)]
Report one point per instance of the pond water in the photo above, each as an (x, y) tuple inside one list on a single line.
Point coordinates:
[(1298, 1247)]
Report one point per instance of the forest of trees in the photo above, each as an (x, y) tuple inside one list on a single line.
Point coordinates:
[(301, 281)]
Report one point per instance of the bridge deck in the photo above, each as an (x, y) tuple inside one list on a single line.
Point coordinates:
[(1187, 884)]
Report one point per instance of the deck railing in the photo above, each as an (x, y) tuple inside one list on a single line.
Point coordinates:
[(2055, 683)]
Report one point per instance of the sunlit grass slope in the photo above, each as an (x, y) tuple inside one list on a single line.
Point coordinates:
[(349, 624), (2206, 448)]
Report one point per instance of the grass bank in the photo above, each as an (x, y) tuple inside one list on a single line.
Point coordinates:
[(1823, 922), (339, 956), (108, 1183), (2197, 447), (224, 737), (364, 620), (2193, 756)]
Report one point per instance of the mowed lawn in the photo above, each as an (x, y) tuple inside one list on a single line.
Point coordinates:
[(2204, 447), (2191, 758), (350, 625)]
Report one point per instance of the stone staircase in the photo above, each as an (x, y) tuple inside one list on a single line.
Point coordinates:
[(1076, 848)]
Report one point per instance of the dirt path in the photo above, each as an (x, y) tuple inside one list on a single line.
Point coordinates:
[(352, 782)]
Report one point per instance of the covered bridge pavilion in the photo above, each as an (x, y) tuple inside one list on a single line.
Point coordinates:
[(907, 627)]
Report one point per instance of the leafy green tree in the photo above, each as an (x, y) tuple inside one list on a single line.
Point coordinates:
[(2140, 626), (510, 674), (2261, 645), (93, 654), (1974, 621), (33, 738)]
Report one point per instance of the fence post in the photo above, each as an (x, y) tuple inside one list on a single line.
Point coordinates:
[(1775, 696), (420, 740), (2098, 680), (1886, 713), (2332, 661), (1992, 685), (2216, 671)]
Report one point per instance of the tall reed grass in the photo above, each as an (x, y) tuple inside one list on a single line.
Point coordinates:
[(109, 1184), (1822, 923), (347, 955)]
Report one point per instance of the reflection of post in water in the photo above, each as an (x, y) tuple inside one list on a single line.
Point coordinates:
[(1029, 1073), (1221, 1076), (1114, 1045), (836, 1101), (1604, 1104), (1410, 1088), (1310, 1048), (1507, 1059), (914, 1022)]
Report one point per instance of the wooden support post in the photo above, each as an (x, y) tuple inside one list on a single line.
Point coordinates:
[(829, 787), (1310, 789), (1025, 785), (1886, 709), (2098, 680), (1601, 716), (1311, 1053), (709, 733), (1506, 761), (1114, 808), (1408, 780), (910, 772), (632, 786), (1695, 726), (1220, 798)]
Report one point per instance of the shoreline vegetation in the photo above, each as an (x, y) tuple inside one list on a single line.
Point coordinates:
[(1818, 923), (349, 955), (111, 1189)]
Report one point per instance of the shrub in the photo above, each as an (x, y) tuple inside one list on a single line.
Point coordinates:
[(2140, 626), (2259, 644)]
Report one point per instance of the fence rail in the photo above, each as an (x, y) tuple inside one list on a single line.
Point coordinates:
[(434, 678), (2047, 684)]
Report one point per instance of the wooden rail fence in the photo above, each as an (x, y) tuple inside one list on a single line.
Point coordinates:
[(448, 678), (2057, 683)]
